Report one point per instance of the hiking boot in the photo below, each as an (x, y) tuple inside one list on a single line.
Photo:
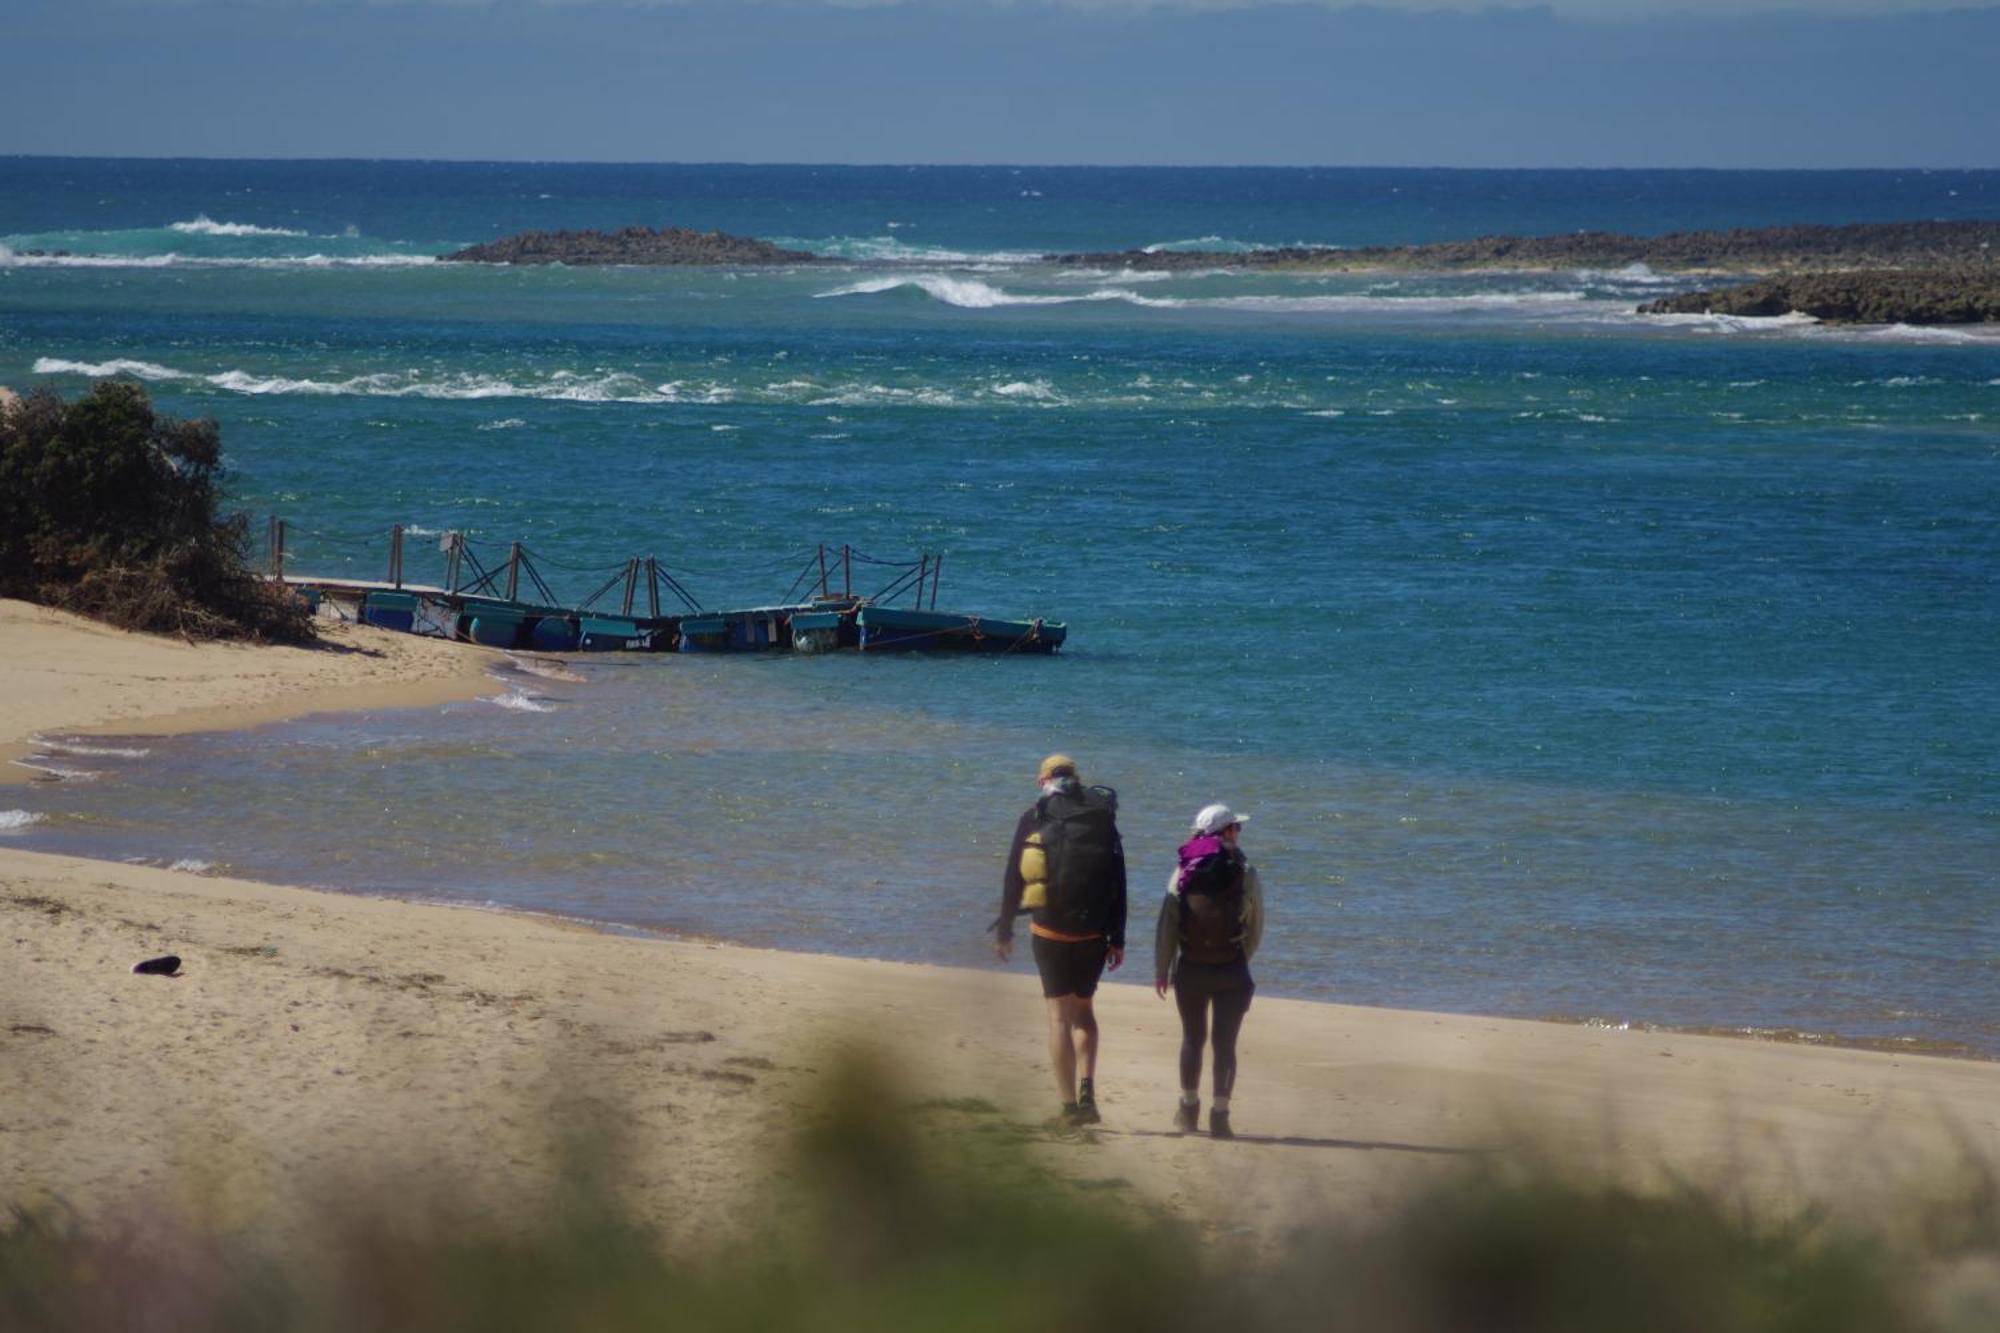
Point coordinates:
[(1187, 1117), (1086, 1110), (1218, 1125)]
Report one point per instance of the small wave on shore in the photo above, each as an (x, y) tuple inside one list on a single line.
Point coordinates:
[(517, 699), (14, 821), (56, 772), (59, 745)]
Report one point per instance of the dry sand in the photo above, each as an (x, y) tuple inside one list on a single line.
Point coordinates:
[(62, 673), (319, 1037)]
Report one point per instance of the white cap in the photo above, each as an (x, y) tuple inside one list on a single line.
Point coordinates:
[(1215, 818)]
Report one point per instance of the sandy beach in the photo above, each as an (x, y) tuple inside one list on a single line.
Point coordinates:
[(317, 1037)]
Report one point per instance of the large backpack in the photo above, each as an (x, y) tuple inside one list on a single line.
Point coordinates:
[(1079, 836), (1210, 889)]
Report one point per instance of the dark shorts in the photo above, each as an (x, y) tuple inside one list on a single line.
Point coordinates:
[(1070, 969), (1214, 978)]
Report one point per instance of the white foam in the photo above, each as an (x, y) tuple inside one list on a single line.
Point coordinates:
[(1199, 243), (193, 865), (895, 250), (56, 772), (1735, 323), (564, 386), (510, 423), (13, 821), (972, 294), (10, 258), (204, 225), (966, 293), (519, 703), (1039, 390), (145, 370), (94, 751), (516, 699)]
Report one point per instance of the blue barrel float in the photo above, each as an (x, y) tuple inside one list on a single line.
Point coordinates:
[(390, 610), (493, 624), (554, 634)]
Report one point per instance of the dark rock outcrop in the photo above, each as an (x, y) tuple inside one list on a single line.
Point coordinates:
[(1937, 245), (1931, 296), (633, 245)]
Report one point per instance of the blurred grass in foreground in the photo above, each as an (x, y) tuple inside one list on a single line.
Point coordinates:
[(935, 1217)]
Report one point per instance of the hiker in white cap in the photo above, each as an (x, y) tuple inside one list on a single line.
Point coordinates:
[(1210, 924)]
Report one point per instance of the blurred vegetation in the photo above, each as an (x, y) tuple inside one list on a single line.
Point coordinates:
[(109, 510), (934, 1217)]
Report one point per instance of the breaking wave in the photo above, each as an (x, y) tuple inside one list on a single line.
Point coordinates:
[(973, 294), (204, 225), (897, 250), (559, 386), (11, 258), (13, 821)]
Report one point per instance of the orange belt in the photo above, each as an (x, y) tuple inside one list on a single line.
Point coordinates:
[(1035, 928)]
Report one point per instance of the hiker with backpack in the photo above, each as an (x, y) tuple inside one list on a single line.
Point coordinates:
[(1210, 925), (1066, 867)]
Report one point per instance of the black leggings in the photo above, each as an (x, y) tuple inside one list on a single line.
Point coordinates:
[(1228, 987)]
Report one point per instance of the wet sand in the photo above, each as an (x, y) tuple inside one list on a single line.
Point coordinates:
[(321, 1041)]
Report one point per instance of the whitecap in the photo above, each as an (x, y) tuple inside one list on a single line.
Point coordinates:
[(204, 225), (192, 865), (1038, 390), (13, 821), (506, 423), (145, 370), (14, 259)]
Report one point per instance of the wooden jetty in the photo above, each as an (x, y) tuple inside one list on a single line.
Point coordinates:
[(633, 610)]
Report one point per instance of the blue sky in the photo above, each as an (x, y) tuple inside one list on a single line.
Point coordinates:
[(1586, 83)]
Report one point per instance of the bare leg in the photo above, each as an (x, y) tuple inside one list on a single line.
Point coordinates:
[(1083, 1024), (1062, 1049)]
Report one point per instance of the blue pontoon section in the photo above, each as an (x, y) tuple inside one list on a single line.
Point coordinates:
[(888, 628)]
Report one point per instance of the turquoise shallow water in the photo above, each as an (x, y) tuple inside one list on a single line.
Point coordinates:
[(1572, 664)]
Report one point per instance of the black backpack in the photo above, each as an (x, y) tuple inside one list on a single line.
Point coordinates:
[(1210, 889), (1079, 834)]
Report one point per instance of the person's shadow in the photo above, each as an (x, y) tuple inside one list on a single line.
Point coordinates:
[(1301, 1141)]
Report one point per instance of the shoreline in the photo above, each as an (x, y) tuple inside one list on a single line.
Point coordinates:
[(316, 1035), (361, 668), (70, 676)]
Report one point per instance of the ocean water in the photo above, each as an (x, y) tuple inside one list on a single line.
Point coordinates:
[(1571, 664)]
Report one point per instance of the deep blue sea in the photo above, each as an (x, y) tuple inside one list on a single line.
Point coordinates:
[(1572, 664)]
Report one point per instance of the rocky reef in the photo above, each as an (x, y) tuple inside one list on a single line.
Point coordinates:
[(1877, 296), (632, 245), (1930, 245)]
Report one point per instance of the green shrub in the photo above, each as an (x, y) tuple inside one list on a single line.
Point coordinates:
[(924, 1220), (109, 510)]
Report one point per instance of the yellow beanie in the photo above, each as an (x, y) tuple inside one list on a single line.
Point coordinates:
[(1056, 765)]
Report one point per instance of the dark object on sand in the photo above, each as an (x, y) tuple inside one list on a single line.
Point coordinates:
[(166, 965)]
